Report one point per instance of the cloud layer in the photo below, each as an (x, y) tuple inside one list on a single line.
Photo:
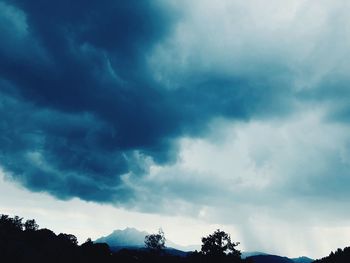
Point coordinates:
[(80, 105), (204, 102), (77, 103)]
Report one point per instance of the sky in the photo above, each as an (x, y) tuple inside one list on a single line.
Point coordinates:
[(185, 115)]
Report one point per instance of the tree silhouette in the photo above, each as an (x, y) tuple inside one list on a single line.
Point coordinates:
[(338, 256), (31, 225), (25, 243), (17, 222), (68, 239), (155, 242), (219, 244)]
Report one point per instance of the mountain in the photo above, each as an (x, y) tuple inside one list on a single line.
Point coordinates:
[(270, 259), (260, 257), (246, 254), (134, 239), (302, 260), (129, 237), (183, 248)]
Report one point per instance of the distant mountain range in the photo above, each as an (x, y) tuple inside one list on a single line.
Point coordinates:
[(131, 238), (265, 258), (261, 257), (251, 253), (302, 260), (270, 259)]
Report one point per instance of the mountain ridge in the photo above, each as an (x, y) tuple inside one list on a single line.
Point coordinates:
[(131, 237)]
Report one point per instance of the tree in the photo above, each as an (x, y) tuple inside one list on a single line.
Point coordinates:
[(17, 222), (31, 225), (219, 244), (8, 223), (88, 242), (68, 239), (155, 242)]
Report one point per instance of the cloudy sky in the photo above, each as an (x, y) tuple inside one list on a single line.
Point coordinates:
[(189, 115)]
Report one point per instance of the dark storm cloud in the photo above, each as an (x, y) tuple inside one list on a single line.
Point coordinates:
[(59, 152), (72, 91), (80, 109)]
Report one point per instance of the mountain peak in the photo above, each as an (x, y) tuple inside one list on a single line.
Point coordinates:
[(132, 237), (129, 237), (128, 230)]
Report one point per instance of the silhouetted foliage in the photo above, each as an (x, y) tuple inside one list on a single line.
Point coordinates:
[(218, 247), (339, 256), (155, 242), (25, 242), (11, 224), (31, 225), (218, 244), (68, 239), (17, 222)]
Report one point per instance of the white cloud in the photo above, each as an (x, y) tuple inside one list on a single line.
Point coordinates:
[(253, 179), (267, 179), (291, 43)]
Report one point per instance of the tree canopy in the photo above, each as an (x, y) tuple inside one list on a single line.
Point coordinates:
[(155, 242), (219, 244)]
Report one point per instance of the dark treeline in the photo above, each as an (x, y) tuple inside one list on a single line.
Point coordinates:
[(25, 242), (339, 256)]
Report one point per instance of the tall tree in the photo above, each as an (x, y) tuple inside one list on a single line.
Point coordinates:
[(31, 225), (219, 244), (155, 242)]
